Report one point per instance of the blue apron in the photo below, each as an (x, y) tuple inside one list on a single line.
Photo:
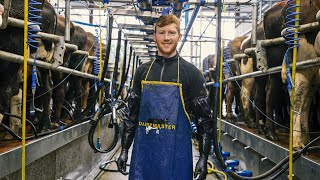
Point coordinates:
[(162, 148)]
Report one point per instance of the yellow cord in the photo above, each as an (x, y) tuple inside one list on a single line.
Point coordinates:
[(220, 92), (213, 170), (294, 61), (24, 101)]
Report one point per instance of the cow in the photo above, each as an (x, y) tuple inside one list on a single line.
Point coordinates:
[(11, 41), (233, 86), (75, 89), (59, 78), (45, 53), (209, 67), (88, 68), (253, 88), (303, 92)]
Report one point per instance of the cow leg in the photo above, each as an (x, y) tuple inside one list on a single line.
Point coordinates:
[(238, 109), (78, 96), (47, 86), (272, 90), (260, 102), (15, 109), (86, 89), (58, 97), (301, 103), (230, 97), (246, 89)]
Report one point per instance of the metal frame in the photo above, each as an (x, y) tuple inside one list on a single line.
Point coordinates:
[(300, 65), (19, 59), (304, 167)]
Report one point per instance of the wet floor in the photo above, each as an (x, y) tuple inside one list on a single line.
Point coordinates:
[(107, 175)]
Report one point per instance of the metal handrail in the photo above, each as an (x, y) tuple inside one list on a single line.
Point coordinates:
[(300, 65)]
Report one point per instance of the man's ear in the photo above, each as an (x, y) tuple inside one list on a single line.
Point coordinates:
[(154, 37), (180, 37)]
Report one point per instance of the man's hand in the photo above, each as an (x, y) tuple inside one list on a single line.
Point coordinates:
[(122, 162), (201, 169)]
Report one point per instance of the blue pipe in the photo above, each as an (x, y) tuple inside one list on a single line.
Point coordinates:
[(88, 24), (186, 15), (189, 26), (290, 24), (33, 29)]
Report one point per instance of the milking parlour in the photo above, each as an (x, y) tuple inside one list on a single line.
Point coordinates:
[(159, 89)]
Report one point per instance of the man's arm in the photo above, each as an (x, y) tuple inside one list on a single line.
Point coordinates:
[(130, 123), (201, 110)]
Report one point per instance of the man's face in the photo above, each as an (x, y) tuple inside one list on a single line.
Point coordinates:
[(167, 39)]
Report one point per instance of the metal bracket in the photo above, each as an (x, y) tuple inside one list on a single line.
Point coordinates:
[(59, 52), (261, 56), (264, 158)]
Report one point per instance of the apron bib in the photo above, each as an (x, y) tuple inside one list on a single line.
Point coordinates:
[(162, 148)]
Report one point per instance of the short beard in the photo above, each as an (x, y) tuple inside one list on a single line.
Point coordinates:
[(165, 52)]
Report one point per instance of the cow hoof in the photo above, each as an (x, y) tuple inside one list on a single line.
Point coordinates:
[(250, 123), (261, 130), (271, 135), (230, 118), (54, 125), (298, 146), (8, 137), (283, 130)]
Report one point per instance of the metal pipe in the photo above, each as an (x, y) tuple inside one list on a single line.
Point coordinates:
[(302, 29), (300, 65), (5, 15), (240, 56), (50, 37), (254, 23), (19, 59), (67, 21), (218, 57), (271, 42), (193, 17), (250, 51), (314, 26)]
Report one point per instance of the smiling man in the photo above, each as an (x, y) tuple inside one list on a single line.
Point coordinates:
[(167, 89)]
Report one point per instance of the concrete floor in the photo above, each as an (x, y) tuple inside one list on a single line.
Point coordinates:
[(107, 175)]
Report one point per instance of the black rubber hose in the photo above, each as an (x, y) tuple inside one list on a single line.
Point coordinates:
[(130, 58), (108, 46), (27, 121), (91, 135), (115, 69), (296, 155), (124, 65), (133, 68)]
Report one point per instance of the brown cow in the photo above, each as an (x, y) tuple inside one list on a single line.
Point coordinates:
[(11, 41), (233, 87), (74, 92), (48, 25), (303, 77), (58, 78), (87, 68)]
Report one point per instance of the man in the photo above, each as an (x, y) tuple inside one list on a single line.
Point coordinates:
[(164, 90)]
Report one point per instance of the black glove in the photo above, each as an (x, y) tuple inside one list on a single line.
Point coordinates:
[(202, 112), (204, 149), (122, 162), (129, 128)]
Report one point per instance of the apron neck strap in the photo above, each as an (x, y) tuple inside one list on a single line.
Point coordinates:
[(178, 80), (149, 70)]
